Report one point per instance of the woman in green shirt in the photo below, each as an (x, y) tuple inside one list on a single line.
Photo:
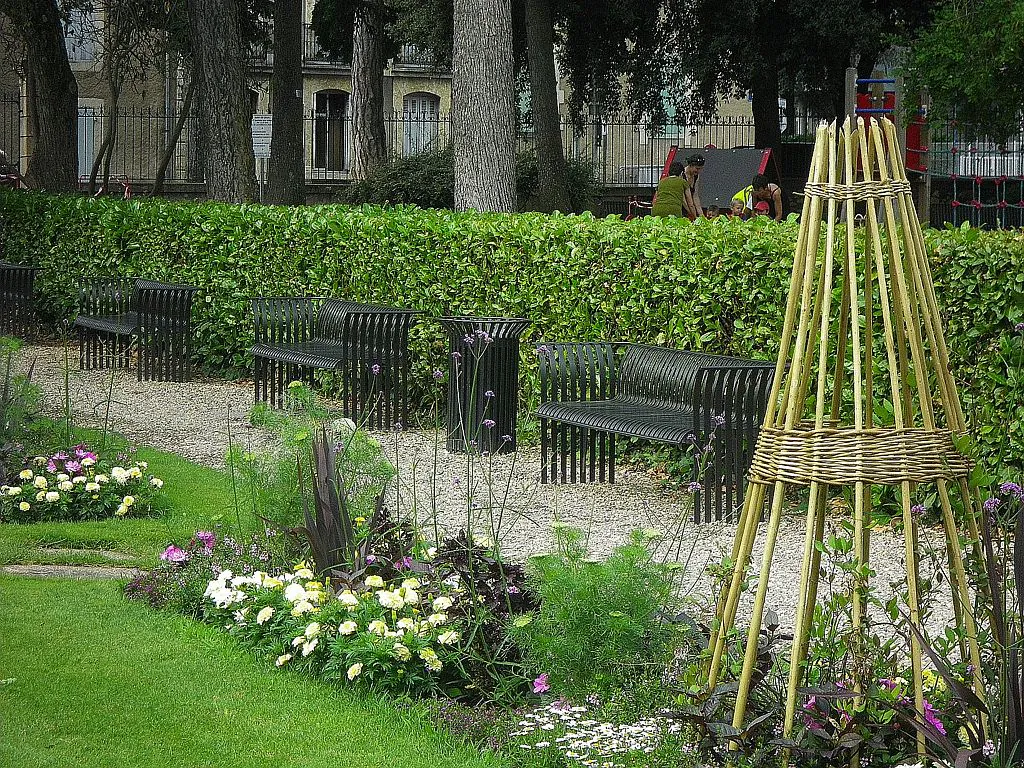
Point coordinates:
[(669, 199)]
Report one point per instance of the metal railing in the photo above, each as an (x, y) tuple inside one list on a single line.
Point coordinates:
[(262, 54)]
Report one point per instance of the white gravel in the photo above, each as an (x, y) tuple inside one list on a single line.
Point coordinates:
[(193, 419)]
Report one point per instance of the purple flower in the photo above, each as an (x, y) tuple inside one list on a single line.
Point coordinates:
[(991, 503), (489, 423), (541, 685), (371, 559), (375, 369), (932, 719), (506, 438), (489, 393), (1019, 327), (513, 590), (174, 554), (60, 456), (468, 339), (438, 374), (718, 421), (695, 487), (404, 564), (208, 538), (51, 466), (917, 510), (542, 349), (1012, 489), (72, 466), (456, 355)]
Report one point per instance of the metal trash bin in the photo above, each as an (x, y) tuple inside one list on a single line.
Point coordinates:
[(483, 385)]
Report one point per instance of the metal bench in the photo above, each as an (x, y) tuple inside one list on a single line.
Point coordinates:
[(591, 392), (17, 308), (366, 345), (112, 312)]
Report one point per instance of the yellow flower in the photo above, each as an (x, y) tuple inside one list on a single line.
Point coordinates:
[(375, 582), (354, 671), (401, 652), (40, 482), (347, 627), (26, 474), (52, 496), (283, 659), (264, 615), (448, 638), (24, 506), (128, 500)]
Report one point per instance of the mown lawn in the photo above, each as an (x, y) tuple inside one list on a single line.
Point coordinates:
[(90, 679)]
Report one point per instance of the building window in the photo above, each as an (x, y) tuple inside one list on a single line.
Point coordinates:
[(90, 134), (330, 113), (81, 34), (420, 116)]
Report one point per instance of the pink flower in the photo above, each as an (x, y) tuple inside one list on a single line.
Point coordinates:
[(174, 554), (208, 538), (540, 685), (932, 719)]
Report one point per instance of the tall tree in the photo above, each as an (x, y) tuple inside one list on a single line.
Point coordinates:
[(216, 32), (972, 62), (287, 183), (52, 93), (359, 30), (553, 191), (368, 60), (483, 105)]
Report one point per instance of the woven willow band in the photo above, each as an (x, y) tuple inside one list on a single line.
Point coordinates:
[(859, 190), (846, 456)]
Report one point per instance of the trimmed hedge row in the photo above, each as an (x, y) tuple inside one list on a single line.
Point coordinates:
[(718, 286)]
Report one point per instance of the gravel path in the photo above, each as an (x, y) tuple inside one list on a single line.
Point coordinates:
[(193, 419)]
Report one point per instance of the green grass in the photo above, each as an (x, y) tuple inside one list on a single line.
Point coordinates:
[(88, 679), (197, 497)]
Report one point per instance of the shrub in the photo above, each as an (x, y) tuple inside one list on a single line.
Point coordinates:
[(716, 286), (427, 179), (599, 624), (78, 485), (179, 582)]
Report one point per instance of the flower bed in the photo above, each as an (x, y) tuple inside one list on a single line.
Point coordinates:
[(77, 485)]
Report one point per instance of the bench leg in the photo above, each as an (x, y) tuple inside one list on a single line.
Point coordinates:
[(100, 351), (570, 454), (164, 355)]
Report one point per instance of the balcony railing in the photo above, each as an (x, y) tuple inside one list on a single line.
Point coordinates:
[(262, 54)]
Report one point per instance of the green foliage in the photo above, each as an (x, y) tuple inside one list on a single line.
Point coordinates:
[(600, 623), (427, 179), (972, 62), (716, 286)]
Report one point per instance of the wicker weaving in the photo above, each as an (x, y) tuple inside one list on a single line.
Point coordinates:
[(862, 329)]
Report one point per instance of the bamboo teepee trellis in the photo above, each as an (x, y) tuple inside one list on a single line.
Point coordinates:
[(833, 347)]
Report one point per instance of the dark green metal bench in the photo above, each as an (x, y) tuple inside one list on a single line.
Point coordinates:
[(366, 345), (592, 391), (113, 312), (17, 308)]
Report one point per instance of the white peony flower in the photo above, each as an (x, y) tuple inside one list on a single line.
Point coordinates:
[(62, 477), (24, 506), (92, 487), (303, 607), (264, 615), (26, 474), (348, 599), (411, 596), (283, 659), (40, 482), (295, 593), (354, 671), (441, 604), (347, 627), (66, 485), (406, 624), (448, 638), (391, 600), (374, 582), (437, 619), (309, 647), (52, 496), (378, 627), (156, 482), (312, 630), (411, 584)]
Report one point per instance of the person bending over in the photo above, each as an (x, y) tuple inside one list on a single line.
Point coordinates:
[(694, 166), (761, 191), (670, 199)]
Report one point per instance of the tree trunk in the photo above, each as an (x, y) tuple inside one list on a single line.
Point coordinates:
[(287, 182), (483, 106), (764, 89), (219, 56), (172, 143), (52, 95), (553, 189), (368, 136)]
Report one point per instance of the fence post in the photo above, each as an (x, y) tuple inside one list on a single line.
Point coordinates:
[(851, 95)]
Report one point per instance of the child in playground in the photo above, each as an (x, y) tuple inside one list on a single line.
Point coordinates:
[(714, 212), (761, 191), (736, 209)]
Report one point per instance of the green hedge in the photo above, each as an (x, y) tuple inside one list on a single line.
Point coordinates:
[(715, 285)]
